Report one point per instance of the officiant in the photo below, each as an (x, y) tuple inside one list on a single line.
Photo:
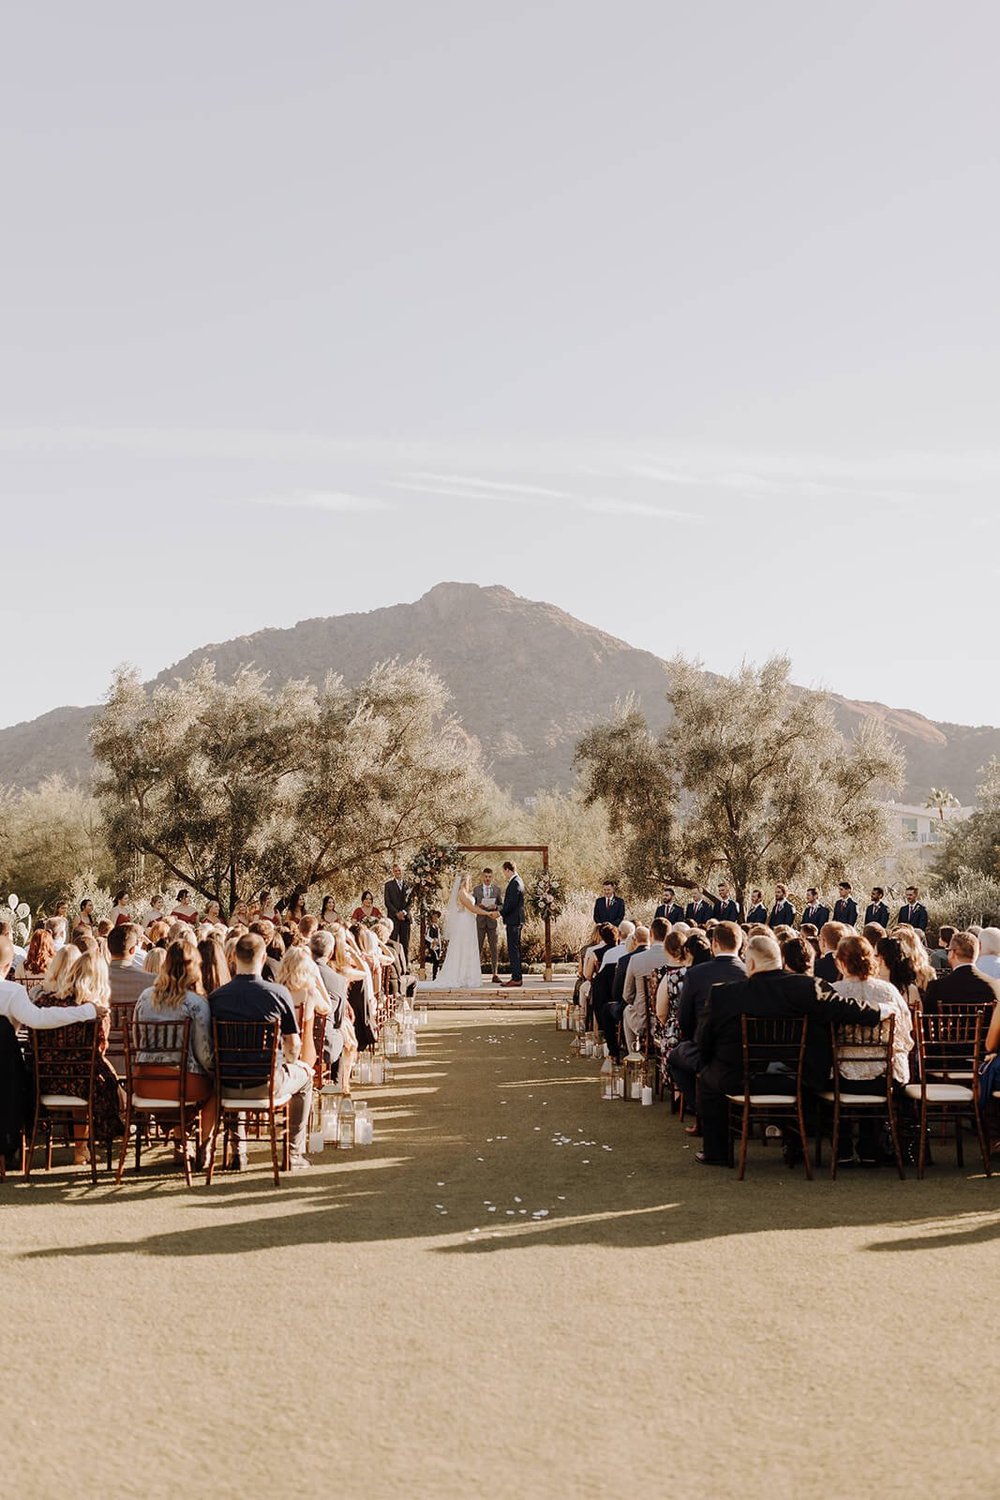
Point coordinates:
[(487, 895)]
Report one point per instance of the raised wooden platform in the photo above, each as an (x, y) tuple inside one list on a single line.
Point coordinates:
[(535, 994)]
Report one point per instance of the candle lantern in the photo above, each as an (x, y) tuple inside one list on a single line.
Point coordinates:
[(316, 1132), (423, 1015), (606, 1080), (364, 1128), (562, 1016), (330, 1112), (347, 1122), (365, 1068), (378, 1068), (635, 1075), (408, 1044), (588, 1045), (575, 1047), (617, 1081), (390, 1033)]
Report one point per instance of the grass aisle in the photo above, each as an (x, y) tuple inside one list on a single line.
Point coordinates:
[(519, 1290)]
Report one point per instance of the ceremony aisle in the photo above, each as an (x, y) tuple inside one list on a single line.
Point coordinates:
[(517, 1290)]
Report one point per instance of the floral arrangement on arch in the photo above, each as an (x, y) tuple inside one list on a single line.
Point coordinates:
[(428, 867), (545, 897)]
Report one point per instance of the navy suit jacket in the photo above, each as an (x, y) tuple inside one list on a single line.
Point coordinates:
[(757, 914), (916, 915), (877, 912), (818, 914), (846, 911), (782, 914), (512, 910), (726, 911), (673, 913), (701, 912), (698, 982), (612, 911)]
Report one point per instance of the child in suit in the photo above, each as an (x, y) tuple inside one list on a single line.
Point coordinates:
[(433, 942)]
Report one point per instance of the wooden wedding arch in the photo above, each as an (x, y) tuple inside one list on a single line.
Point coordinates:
[(542, 849)]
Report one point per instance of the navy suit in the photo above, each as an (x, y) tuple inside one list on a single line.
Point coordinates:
[(757, 914), (877, 912), (611, 1015), (672, 913), (915, 915), (612, 911), (818, 914), (512, 914), (846, 912), (701, 912), (726, 911), (782, 914), (684, 1060)]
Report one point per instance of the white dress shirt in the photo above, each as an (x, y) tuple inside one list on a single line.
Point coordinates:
[(21, 1011)]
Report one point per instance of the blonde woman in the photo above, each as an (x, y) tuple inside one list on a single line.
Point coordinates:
[(346, 965), (176, 996), (300, 977), (154, 961), (58, 981), (86, 982)]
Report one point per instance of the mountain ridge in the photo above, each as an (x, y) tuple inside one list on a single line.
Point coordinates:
[(526, 678)]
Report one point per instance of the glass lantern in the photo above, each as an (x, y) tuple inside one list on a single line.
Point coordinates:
[(575, 1047), (365, 1068), (316, 1135), (562, 1016), (330, 1112), (378, 1069), (408, 1045), (391, 1034), (348, 1123), (364, 1128), (635, 1076), (617, 1080), (606, 1080)]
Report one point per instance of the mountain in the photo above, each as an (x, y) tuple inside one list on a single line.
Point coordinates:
[(526, 679)]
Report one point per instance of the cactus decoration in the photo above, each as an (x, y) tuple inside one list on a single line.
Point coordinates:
[(18, 914)]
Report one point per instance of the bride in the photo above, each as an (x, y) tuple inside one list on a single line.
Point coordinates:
[(462, 969)]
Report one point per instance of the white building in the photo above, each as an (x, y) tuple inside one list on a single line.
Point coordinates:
[(920, 830)]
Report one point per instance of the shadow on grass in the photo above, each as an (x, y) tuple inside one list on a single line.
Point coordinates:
[(481, 1165)]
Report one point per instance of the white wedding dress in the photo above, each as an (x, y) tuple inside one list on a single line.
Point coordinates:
[(462, 969)]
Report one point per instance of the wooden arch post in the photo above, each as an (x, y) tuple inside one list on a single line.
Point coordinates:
[(543, 850)]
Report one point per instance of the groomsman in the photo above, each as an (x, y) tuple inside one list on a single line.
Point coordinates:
[(702, 910), (845, 908), (876, 910), (914, 912), (815, 912), (397, 896), (609, 906), (757, 911), (669, 908), (726, 909), (782, 913)]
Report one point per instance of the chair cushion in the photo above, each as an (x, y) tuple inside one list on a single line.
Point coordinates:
[(240, 1101), (63, 1101), (941, 1093), (141, 1101), (762, 1099), (848, 1101)]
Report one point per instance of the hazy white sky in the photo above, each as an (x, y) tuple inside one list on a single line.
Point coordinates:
[(682, 317)]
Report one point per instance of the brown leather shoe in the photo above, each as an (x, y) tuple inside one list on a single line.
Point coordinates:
[(514, 984), (496, 979)]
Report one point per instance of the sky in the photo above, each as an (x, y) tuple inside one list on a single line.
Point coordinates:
[(681, 317)]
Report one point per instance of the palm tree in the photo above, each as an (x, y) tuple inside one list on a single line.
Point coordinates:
[(941, 798)]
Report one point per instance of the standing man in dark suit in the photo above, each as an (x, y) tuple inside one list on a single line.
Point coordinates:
[(512, 915), (963, 984), (669, 908), (767, 990), (397, 897), (815, 912), (914, 912), (609, 906), (702, 910), (876, 910), (782, 913), (845, 908), (757, 911), (726, 909)]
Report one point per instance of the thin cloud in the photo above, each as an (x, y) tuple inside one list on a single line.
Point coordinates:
[(528, 491), (334, 502), (638, 508)]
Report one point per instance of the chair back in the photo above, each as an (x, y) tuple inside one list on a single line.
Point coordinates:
[(773, 1044), (650, 984), (161, 1047), (245, 1054), (871, 1045), (121, 1017), (66, 1059), (946, 1042)]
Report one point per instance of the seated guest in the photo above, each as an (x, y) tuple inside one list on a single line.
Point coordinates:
[(873, 931), (859, 981), (964, 984), (766, 991), (59, 928), (128, 977), (322, 948), (346, 965), (214, 964), (593, 959), (20, 1010), (894, 964), (666, 1032), (830, 935), (299, 975), (797, 955), (914, 946), (939, 956), (720, 965), (614, 1006), (248, 997), (602, 987), (178, 993), (86, 983), (367, 911), (757, 911), (154, 960), (913, 912), (609, 906), (814, 911), (642, 964), (876, 911), (988, 962), (401, 981), (41, 951)]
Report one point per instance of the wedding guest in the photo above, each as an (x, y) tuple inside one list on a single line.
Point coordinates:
[(299, 975), (16, 1005), (830, 936), (913, 911), (248, 997), (650, 962), (344, 963), (41, 950), (876, 912), (895, 964), (988, 962), (336, 1031), (963, 984), (178, 993), (367, 910), (939, 955), (915, 948), (667, 1025), (214, 965), (860, 982), (797, 955), (87, 983), (128, 977), (154, 960), (718, 964), (873, 931), (59, 928), (845, 908), (613, 1004), (609, 906)]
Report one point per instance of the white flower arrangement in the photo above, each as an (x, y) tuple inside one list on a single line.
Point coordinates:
[(545, 897)]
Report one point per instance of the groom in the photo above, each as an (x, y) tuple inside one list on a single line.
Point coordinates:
[(512, 912)]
